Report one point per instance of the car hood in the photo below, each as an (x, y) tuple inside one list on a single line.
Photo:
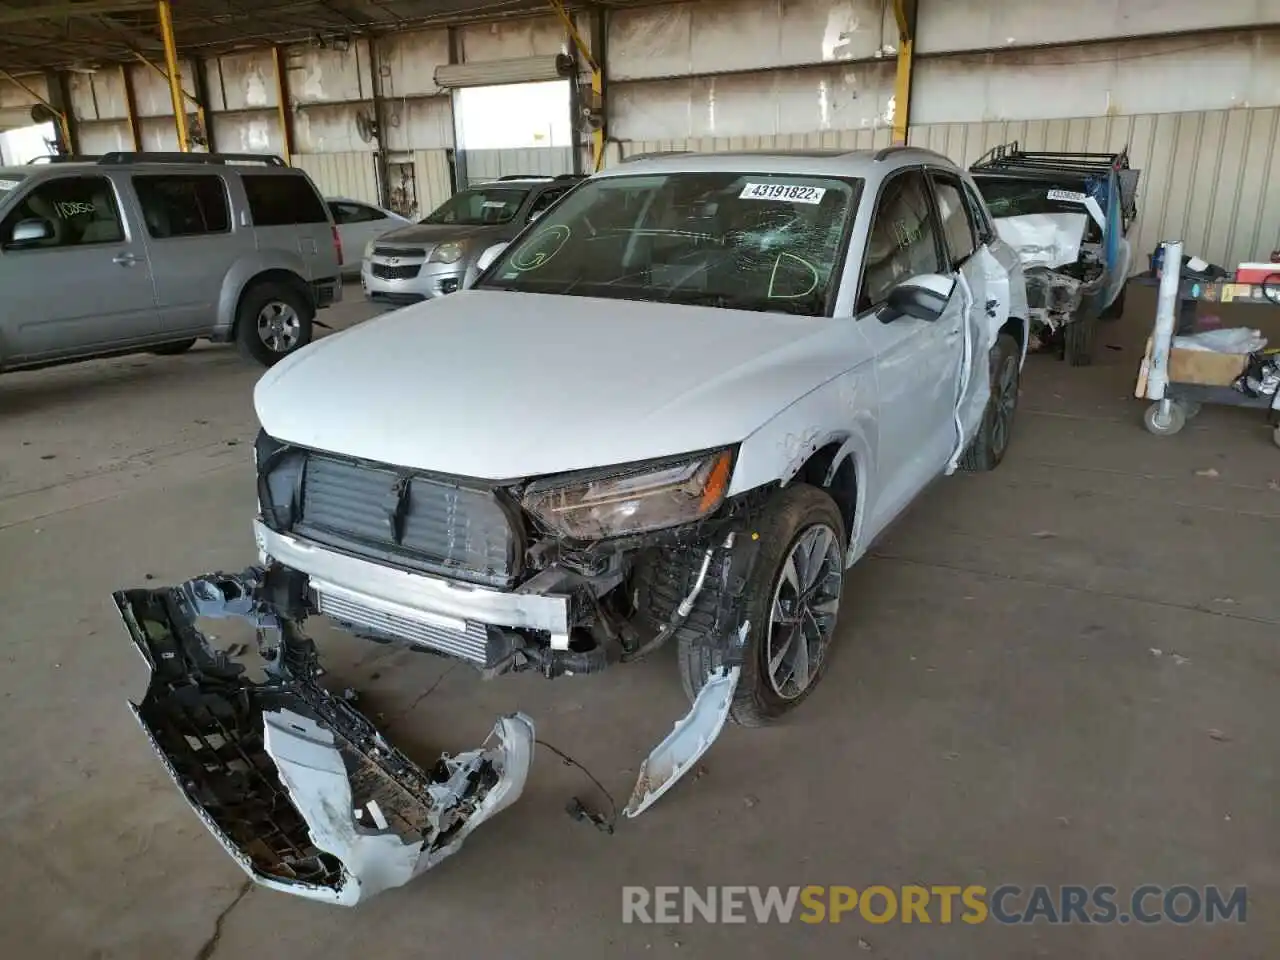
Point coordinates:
[(501, 385), (438, 233)]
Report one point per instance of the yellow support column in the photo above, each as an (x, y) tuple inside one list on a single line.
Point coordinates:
[(904, 12), (175, 77)]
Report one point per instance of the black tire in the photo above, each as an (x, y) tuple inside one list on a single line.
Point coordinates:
[(289, 302), (1078, 337), (991, 442), (795, 510), (1116, 310), (173, 349)]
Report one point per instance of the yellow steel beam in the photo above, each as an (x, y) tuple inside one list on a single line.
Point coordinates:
[(64, 124), (195, 101), (597, 80), (130, 109), (175, 76), (282, 105), (904, 12)]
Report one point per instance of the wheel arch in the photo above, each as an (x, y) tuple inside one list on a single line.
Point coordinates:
[(1020, 329), (247, 273)]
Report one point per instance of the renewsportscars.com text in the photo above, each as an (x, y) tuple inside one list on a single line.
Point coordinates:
[(940, 904)]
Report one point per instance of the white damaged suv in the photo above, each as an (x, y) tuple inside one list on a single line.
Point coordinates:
[(674, 409)]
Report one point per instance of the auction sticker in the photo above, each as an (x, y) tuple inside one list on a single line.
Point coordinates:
[(1068, 195), (795, 193)]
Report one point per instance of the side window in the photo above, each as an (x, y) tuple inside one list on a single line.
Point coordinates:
[(183, 205), (354, 213), (903, 242), (282, 200), (362, 214), (546, 199), (78, 211), (957, 225), (981, 219)]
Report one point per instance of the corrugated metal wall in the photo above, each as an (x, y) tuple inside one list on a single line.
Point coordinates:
[(533, 161), (434, 179), (348, 174)]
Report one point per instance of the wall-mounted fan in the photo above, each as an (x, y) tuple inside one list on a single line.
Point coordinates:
[(366, 127)]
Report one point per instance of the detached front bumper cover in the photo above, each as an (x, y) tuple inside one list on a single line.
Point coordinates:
[(299, 787)]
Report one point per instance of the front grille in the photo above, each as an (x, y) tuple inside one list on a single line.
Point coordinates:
[(432, 524), (396, 299), (470, 643), (400, 252), (384, 271)]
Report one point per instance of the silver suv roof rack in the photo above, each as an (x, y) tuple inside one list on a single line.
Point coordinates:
[(120, 157)]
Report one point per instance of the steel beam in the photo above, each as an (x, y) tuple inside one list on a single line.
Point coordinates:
[(60, 11), (381, 167), (905, 12), (282, 104), (53, 83), (595, 63), (130, 108), (175, 75)]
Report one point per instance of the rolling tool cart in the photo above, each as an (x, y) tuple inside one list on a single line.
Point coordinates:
[(1178, 381)]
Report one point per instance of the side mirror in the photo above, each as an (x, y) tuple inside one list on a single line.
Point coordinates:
[(924, 298), (30, 231), (491, 254)]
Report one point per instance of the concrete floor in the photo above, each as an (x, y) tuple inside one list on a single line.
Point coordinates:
[(996, 711)]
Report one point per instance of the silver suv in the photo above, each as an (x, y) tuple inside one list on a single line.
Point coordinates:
[(439, 254), (150, 252)]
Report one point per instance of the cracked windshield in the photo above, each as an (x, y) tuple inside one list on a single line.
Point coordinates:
[(764, 242)]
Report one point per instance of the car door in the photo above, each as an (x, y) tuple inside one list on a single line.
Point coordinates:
[(85, 287), (916, 361), (193, 244)]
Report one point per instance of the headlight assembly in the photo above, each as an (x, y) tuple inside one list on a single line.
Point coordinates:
[(368, 249), (446, 253), (636, 500)]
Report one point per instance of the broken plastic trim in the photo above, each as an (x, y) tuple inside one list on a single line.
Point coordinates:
[(301, 789), (692, 736)]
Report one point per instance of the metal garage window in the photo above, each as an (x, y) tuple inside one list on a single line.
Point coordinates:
[(183, 205)]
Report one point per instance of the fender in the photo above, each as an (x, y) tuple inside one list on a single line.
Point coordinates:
[(242, 273), (841, 411)]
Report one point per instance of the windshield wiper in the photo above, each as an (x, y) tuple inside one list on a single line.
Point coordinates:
[(804, 306)]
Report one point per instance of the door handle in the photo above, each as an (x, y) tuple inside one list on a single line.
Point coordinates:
[(125, 259)]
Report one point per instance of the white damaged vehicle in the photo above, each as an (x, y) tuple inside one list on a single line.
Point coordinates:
[(673, 410)]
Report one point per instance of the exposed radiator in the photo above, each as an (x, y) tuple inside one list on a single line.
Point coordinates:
[(458, 638)]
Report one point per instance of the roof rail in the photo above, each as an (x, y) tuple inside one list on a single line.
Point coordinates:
[(1010, 156), (524, 176), (120, 157), (884, 153), (568, 176), (65, 158), (656, 153)]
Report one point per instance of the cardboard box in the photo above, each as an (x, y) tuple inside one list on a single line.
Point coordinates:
[(1206, 367)]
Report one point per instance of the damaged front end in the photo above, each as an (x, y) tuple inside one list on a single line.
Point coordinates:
[(299, 787)]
